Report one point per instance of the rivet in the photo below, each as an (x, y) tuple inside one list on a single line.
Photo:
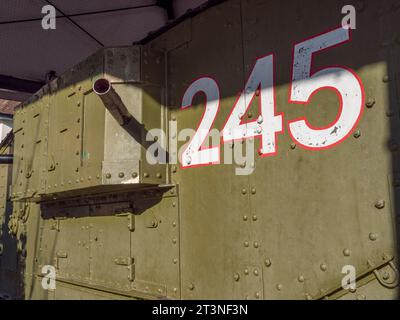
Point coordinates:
[(308, 296), (134, 175), (173, 118), (174, 169), (292, 146), (146, 175), (352, 290), (191, 286), (372, 236), (267, 262), (244, 191), (174, 241), (246, 271), (174, 204), (357, 134), (257, 295), (323, 267), (370, 102), (255, 272), (279, 287), (174, 224), (236, 277), (245, 218), (175, 261), (254, 218), (300, 278), (158, 175), (108, 175), (255, 244), (253, 190), (389, 113), (380, 204), (246, 243), (121, 174), (346, 252), (385, 79)]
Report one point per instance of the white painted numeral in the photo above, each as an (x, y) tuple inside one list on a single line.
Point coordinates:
[(305, 84), (194, 154), (267, 125)]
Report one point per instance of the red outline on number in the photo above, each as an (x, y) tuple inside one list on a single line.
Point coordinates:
[(212, 124), (312, 72), (262, 155)]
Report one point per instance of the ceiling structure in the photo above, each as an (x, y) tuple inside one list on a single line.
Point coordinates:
[(28, 52)]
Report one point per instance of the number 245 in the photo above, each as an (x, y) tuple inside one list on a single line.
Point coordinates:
[(305, 84)]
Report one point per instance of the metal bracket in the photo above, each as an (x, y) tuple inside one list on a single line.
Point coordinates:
[(129, 262), (60, 255), (384, 277)]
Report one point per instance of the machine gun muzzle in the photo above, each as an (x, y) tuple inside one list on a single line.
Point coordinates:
[(112, 101)]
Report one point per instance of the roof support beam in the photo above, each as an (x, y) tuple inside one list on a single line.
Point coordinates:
[(19, 85)]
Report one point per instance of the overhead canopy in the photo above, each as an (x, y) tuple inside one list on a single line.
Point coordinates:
[(28, 52)]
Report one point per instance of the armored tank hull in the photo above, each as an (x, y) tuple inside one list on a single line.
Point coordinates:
[(248, 151)]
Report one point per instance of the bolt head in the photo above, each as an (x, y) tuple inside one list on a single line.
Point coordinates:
[(386, 276), (346, 252), (244, 191), (267, 262), (370, 102), (279, 287), (380, 204), (323, 267), (134, 175), (121, 174), (255, 272), (373, 236), (108, 175), (236, 276), (300, 278), (385, 79)]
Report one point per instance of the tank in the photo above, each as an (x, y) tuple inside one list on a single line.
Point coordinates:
[(246, 151)]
